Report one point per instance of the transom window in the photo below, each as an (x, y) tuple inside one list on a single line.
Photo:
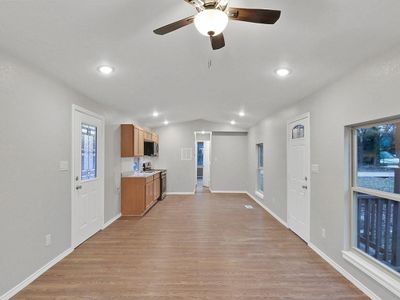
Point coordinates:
[(376, 189), (88, 152)]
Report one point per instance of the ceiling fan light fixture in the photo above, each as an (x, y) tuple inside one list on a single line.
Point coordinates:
[(211, 22)]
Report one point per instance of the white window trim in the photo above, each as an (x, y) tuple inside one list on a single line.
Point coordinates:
[(374, 269), (370, 266), (259, 194)]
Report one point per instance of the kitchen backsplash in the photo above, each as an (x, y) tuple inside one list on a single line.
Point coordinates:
[(127, 163)]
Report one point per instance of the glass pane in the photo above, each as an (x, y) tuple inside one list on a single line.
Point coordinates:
[(378, 152), (378, 229), (200, 146), (260, 180), (298, 132), (260, 154), (88, 152)]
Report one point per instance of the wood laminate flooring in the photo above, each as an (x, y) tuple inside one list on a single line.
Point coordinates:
[(206, 246)]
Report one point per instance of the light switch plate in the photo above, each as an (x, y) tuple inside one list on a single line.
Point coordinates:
[(315, 168), (64, 166)]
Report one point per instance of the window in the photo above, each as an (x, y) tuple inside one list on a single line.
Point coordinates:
[(260, 168), (376, 189), (88, 152), (298, 132), (200, 146)]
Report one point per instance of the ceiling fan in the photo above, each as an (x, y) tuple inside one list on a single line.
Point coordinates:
[(212, 18)]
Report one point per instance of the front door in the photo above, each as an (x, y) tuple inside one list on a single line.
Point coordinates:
[(87, 200), (298, 176)]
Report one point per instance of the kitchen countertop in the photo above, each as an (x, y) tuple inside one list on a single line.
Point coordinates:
[(139, 174)]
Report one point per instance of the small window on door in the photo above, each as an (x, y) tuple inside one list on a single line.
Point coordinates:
[(88, 152), (260, 168), (298, 132)]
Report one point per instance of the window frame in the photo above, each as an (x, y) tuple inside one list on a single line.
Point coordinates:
[(377, 270), (259, 146)]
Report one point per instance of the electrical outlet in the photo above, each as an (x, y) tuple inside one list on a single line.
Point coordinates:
[(323, 233), (48, 240)]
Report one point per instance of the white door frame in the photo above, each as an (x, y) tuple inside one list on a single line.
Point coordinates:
[(308, 169), (101, 160), (195, 158)]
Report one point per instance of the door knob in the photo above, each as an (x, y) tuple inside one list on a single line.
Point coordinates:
[(79, 187), (304, 187)]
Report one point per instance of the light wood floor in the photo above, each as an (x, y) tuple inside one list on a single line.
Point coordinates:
[(206, 246)]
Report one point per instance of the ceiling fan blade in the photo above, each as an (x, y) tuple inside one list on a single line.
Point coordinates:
[(263, 16), (217, 41), (174, 26)]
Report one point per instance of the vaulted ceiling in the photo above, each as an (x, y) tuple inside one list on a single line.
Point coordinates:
[(319, 40)]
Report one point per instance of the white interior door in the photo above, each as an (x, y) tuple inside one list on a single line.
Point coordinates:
[(206, 164), (298, 176), (88, 181)]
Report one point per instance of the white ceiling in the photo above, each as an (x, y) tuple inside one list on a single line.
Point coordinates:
[(318, 39)]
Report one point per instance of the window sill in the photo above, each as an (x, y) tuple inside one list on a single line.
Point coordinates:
[(374, 271), (259, 194)]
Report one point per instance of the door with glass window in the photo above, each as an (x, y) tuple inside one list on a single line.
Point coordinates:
[(298, 176), (87, 206)]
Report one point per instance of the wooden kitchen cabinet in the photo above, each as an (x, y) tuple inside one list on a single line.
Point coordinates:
[(157, 187), (138, 194), (141, 143), (149, 193), (154, 137), (148, 136), (132, 141)]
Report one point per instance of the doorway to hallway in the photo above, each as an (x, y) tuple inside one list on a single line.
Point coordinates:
[(202, 162)]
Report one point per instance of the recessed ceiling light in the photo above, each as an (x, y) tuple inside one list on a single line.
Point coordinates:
[(166, 122), (155, 114), (233, 122), (241, 114), (106, 70), (282, 72)]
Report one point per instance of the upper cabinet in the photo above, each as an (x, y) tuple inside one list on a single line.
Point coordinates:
[(132, 140)]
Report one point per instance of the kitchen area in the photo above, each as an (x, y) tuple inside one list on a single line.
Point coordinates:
[(141, 185)]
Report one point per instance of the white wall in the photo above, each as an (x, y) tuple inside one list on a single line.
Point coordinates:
[(229, 161), (368, 93), (35, 197), (174, 137)]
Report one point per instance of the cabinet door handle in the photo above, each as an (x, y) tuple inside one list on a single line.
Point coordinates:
[(304, 187), (79, 187)]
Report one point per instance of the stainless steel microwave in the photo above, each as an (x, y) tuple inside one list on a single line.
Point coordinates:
[(150, 149)]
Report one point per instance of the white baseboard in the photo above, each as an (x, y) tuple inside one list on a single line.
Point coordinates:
[(228, 192), (111, 221), (180, 193), (346, 274), (267, 209), (35, 275)]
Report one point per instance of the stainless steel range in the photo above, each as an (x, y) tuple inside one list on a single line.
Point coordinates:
[(163, 182)]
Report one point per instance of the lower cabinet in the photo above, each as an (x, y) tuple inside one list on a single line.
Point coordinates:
[(149, 193), (139, 194)]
